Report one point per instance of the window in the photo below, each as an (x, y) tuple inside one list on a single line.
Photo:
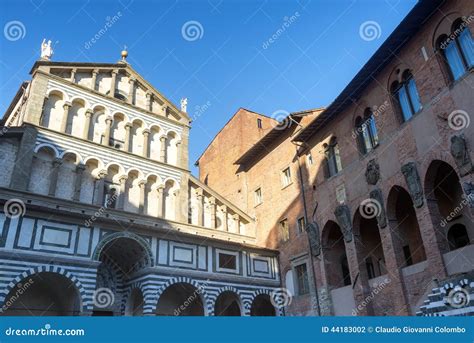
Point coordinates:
[(346, 275), (258, 196), (458, 49), (259, 123), (333, 163), (301, 225), (370, 268), (284, 230), (286, 177), (457, 237), (302, 279), (227, 261), (406, 94), (309, 158), (366, 132)]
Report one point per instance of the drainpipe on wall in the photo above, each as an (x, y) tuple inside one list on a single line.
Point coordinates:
[(311, 262)]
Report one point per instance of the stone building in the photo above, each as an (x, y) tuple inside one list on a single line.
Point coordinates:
[(100, 214), (371, 199)]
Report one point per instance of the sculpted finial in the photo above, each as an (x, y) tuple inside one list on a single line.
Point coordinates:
[(46, 50), (184, 104)]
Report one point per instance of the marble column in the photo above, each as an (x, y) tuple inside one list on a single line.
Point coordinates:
[(177, 209), (113, 83), (143, 200), (123, 192), (73, 76), (54, 176), (225, 226), (178, 152), (108, 128), (200, 198), (212, 203), (126, 145), (94, 79), (78, 182), (146, 142), (99, 188), (149, 101), (131, 91), (163, 149), (87, 124), (66, 107), (161, 201), (236, 218)]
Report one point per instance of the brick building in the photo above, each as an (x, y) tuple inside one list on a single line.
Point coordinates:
[(371, 199)]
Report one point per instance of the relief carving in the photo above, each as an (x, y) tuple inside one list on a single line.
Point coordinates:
[(372, 173), (460, 154), (412, 179), (343, 216), (376, 194), (314, 240)]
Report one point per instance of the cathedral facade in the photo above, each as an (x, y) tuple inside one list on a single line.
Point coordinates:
[(100, 214)]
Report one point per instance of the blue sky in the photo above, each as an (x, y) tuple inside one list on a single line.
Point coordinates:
[(316, 49)]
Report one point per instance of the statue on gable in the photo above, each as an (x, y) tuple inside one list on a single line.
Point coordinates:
[(46, 50)]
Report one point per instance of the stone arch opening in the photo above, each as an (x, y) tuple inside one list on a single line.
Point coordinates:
[(135, 303), (43, 294), (457, 237), (121, 256), (408, 243), (369, 245), (334, 256), (228, 304), (262, 306), (446, 201), (180, 299)]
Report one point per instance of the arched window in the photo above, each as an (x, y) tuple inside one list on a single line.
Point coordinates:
[(366, 132), (406, 94), (333, 158), (457, 49)]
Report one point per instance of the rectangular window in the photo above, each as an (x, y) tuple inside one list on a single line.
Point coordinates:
[(258, 196), (259, 123), (286, 177), (227, 261), (301, 225), (284, 230), (404, 104), (302, 279), (454, 60)]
